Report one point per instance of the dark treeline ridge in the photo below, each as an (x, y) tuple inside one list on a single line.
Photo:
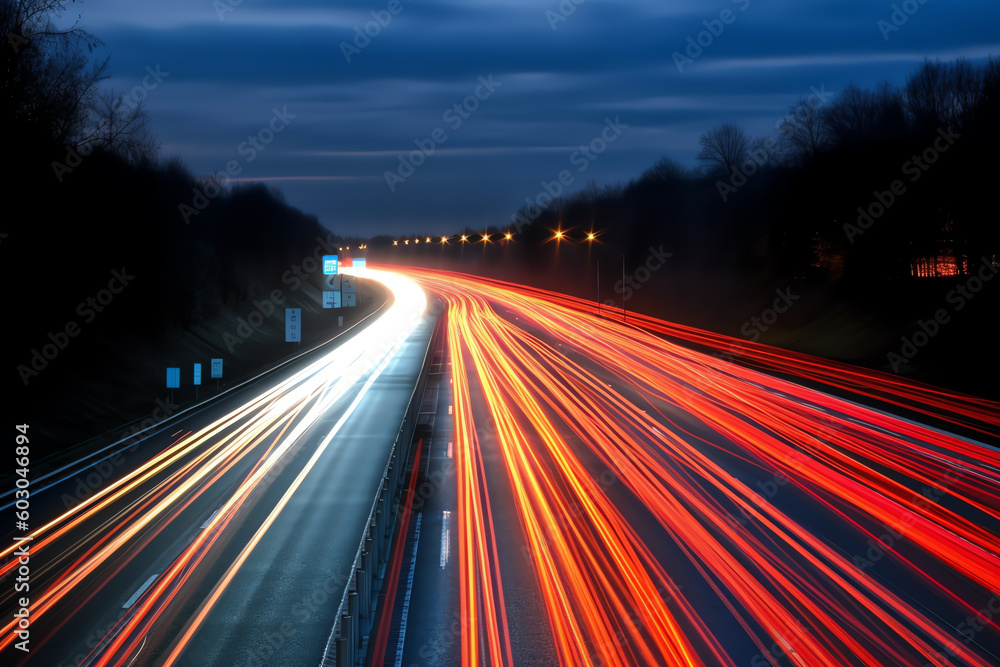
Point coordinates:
[(815, 200), (873, 204), (88, 201)]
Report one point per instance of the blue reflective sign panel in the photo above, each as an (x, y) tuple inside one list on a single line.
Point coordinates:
[(173, 378), (293, 325), (197, 373), (216, 368), (330, 264)]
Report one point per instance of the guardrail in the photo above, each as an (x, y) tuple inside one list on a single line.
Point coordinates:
[(348, 641), (85, 461)]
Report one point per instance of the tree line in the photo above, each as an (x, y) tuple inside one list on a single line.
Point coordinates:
[(87, 193), (868, 183)]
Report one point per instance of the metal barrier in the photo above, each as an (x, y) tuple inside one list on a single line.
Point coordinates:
[(348, 641)]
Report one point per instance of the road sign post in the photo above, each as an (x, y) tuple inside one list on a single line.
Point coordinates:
[(173, 381), (293, 325)]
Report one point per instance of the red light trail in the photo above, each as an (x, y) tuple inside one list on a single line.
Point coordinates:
[(686, 433)]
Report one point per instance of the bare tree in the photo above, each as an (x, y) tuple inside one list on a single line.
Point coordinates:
[(664, 170), (45, 85), (860, 115), (989, 100), (804, 131), (724, 147), (943, 94), (119, 128)]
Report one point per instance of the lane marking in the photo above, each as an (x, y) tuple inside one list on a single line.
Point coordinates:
[(209, 520), (445, 536), (409, 590), (142, 589)]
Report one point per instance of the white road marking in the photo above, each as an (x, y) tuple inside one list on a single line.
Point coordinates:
[(409, 590), (204, 525), (142, 589), (445, 537)]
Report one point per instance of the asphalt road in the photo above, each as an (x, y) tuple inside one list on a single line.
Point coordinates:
[(614, 498), (226, 539)]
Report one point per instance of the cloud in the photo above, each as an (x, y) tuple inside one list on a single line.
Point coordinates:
[(607, 58)]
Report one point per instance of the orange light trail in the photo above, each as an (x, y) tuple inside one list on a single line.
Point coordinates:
[(687, 433), (245, 450)]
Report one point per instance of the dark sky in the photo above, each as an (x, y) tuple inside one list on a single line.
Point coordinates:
[(563, 76)]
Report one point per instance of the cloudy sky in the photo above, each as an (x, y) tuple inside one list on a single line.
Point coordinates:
[(558, 74)]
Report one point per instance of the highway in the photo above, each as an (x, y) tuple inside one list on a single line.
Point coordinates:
[(231, 540), (584, 490), (620, 493)]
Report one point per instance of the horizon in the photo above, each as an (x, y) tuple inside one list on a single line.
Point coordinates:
[(212, 75)]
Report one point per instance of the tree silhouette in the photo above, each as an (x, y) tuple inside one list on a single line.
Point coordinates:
[(119, 128), (724, 147)]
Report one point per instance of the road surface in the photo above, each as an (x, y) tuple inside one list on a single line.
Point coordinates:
[(227, 540), (625, 494)]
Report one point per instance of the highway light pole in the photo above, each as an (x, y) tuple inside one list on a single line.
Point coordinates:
[(624, 306), (598, 288)]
